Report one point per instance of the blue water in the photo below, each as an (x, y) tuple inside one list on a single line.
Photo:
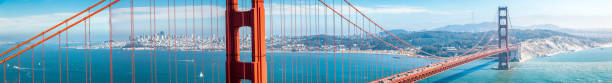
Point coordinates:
[(287, 67), (586, 66), (593, 65)]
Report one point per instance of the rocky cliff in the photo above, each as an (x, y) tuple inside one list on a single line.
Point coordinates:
[(543, 47)]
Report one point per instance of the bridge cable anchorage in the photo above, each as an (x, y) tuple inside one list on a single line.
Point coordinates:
[(390, 34), (377, 38)]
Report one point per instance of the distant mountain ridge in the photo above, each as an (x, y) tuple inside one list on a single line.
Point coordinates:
[(480, 27), (488, 26)]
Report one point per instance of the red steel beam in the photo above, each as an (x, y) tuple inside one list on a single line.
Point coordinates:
[(427, 71)]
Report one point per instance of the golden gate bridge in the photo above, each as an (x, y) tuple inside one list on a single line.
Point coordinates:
[(249, 31)]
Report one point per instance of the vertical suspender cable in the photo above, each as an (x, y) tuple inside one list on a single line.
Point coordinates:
[(327, 40), (351, 46), (271, 39), (19, 69), (283, 36), (132, 39), (110, 23), (55, 34), (4, 73), (59, 38), (86, 52), (66, 46), (212, 42), (193, 40), (334, 45), (296, 35), (186, 48), (57, 25), (170, 47), (150, 38), (155, 40), (342, 37), (10, 57), (308, 29), (302, 31), (44, 61), (202, 38), (170, 44), (32, 64), (218, 41), (89, 46), (174, 40)]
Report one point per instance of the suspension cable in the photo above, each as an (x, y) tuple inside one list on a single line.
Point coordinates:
[(359, 27), (57, 25), (390, 34)]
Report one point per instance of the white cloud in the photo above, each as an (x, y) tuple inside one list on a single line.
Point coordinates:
[(121, 16), (37, 23), (399, 10), (278, 9)]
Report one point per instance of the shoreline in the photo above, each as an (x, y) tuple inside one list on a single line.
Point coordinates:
[(383, 52), (605, 45)]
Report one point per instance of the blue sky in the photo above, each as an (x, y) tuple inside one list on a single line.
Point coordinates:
[(28, 17)]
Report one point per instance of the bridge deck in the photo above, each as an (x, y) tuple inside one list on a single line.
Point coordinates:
[(433, 69)]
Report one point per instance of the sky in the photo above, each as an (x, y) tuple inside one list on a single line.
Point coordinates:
[(20, 19)]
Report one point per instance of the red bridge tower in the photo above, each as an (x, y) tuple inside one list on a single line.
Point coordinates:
[(236, 70), (503, 22)]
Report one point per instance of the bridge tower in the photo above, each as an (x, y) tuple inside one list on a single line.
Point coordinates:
[(503, 23), (254, 18)]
